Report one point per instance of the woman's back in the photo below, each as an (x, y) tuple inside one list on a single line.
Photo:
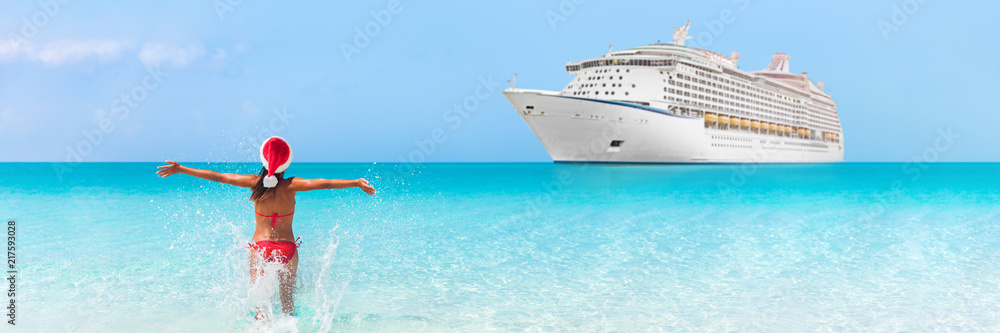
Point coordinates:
[(274, 213)]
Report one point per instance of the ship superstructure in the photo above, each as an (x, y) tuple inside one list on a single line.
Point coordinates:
[(671, 103)]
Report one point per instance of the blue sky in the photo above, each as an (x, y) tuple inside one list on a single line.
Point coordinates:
[(231, 71)]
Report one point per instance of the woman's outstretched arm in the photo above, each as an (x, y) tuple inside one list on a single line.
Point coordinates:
[(225, 178), (300, 184)]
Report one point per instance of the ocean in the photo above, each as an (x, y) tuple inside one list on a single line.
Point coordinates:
[(858, 247)]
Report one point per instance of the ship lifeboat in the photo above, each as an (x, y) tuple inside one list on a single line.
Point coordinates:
[(745, 123), (781, 128), (802, 131), (723, 120), (773, 127), (711, 118), (755, 125), (808, 132), (735, 122)]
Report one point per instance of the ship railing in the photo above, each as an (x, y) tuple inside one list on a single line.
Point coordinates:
[(531, 91)]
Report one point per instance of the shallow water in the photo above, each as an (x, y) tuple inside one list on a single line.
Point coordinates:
[(520, 247)]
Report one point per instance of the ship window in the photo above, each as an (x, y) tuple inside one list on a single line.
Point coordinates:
[(626, 93), (529, 107), (617, 143), (633, 85)]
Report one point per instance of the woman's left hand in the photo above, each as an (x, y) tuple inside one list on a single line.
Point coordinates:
[(168, 170), (363, 184)]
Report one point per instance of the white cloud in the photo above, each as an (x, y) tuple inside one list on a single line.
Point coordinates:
[(217, 60), (249, 109), (155, 54), (8, 52), (12, 122), (220, 54), (69, 52), (63, 52)]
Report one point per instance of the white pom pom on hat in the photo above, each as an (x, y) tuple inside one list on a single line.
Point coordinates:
[(276, 155), (270, 181)]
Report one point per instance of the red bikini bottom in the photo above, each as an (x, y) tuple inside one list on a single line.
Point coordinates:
[(280, 251)]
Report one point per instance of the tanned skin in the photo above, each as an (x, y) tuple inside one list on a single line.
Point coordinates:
[(282, 203)]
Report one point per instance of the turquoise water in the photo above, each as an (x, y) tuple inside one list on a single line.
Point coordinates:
[(520, 247)]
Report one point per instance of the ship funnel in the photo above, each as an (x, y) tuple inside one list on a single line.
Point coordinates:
[(681, 34), (735, 57), (779, 63)]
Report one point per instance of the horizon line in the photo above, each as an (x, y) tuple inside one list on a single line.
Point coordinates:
[(512, 162)]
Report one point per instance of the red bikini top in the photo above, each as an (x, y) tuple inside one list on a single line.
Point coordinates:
[(275, 217)]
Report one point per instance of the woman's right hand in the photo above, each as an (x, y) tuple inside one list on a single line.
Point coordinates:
[(168, 170), (363, 184)]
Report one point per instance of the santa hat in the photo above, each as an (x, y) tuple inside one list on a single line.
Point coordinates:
[(276, 155)]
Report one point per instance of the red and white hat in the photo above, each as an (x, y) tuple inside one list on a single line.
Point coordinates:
[(276, 155)]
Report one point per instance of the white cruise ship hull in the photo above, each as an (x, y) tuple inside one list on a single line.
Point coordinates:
[(574, 129)]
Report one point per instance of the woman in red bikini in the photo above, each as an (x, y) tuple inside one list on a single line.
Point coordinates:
[(274, 204)]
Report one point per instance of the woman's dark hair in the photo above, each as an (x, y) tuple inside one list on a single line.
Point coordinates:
[(261, 192)]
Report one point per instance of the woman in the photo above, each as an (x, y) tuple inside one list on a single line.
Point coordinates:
[(274, 204)]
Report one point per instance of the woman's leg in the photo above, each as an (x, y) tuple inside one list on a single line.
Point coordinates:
[(287, 277), (254, 267), (255, 270)]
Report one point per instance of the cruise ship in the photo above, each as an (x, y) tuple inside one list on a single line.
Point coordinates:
[(671, 103)]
